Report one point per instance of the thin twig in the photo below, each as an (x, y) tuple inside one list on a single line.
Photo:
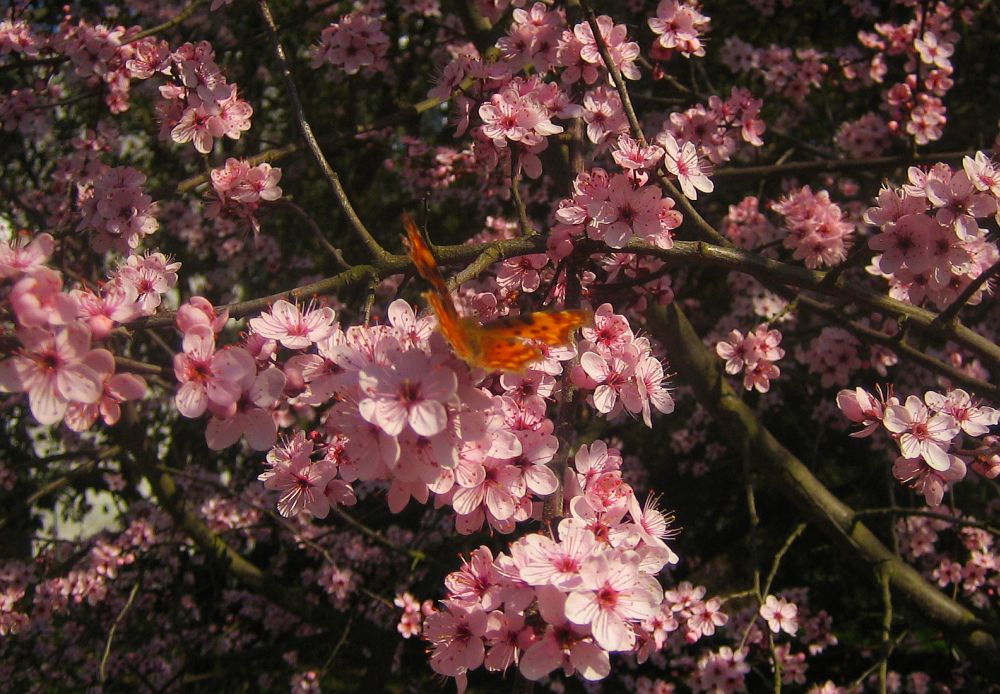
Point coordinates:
[(318, 233), (111, 633), (779, 555), (897, 511), (707, 230), (800, 167), (955, 306), (332, 177), (178, 18)]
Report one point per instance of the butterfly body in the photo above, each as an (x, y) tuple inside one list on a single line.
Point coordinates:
[(507, 344)]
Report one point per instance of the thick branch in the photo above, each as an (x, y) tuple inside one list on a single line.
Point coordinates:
[(141, 455), (793, 480)]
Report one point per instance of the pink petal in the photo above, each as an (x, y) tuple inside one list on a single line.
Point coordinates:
[(428, 418), (46, 404)]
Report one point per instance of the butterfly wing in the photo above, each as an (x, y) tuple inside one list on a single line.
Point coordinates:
[(505, 353), (422, 257), (454, 328), (509, 344), (554, 328)]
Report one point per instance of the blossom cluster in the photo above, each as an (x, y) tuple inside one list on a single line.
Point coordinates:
[(570, 600), (926, 431), (199, 105), (613, 208), (353, 43), (117, 210), (716, 128), (240, 189), (791, 73), (926, 41), (63, 377), (867, 136), (404, 410), (620, 368), (747, 227), (817, 230), (930, 245), (517, 112), (101, 54), (929, 544), (754, 355), (679, 26)]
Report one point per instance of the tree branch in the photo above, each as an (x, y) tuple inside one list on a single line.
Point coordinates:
[(797, 484)]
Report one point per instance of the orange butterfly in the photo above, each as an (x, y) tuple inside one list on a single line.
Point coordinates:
[(508, 344)]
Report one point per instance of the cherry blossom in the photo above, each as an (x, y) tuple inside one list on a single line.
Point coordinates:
[(209, 379), (610, 596), (683, 162), (413, 392), (52, 368), (293, 327), (920, 433), (780, 615)]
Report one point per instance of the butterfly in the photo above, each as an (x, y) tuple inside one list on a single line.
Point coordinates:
[(508, 344)]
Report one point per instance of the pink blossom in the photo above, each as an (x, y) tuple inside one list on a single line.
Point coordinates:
[(780, 615), (541, 561), (302, 487), (629, 155), (862, 407), (260, 391), (679, 26), (521, 273), (490, 484), (414, 391), (932, 482), (610, 375), (536, 450), (612, 595), (152, 275), (603, 113), (209, 379), (115, 304), (456, 636), (649, 390), (932, 51), (623, 53), (683, 162), (293, 327), (39, 301), (115, 389), (920, 433), (738, 352), (199, 311), (51, 367), (563, 644), (415, 332), (509, 115), (959, 203), (478, 581), (703, 618), (981, 171), (503, 636), (975, 419), (19, 255), (627, 210)]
